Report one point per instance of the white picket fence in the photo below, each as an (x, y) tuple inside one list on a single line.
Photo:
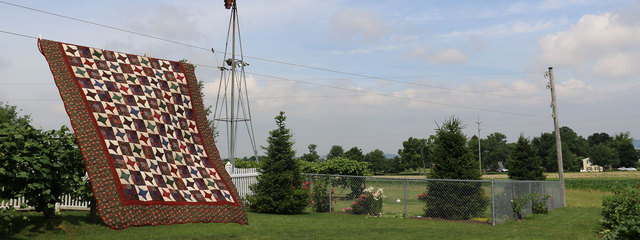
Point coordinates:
[(241, 177)]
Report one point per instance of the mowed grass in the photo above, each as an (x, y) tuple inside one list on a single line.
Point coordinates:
[(579, 175), (577, 221)]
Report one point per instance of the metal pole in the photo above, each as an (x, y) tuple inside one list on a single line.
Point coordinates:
[(493, 205), (405, 199), (479, 150), (556, 125), (330, 193), (232, 133)]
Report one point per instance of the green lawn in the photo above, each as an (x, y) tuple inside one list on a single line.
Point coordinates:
[(578, 221)]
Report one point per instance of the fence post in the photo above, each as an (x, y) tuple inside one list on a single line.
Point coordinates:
[(405, 199), (330, 193), (493, 205)]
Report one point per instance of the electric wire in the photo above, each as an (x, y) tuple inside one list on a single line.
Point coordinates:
[(274, 61), (400, 97)]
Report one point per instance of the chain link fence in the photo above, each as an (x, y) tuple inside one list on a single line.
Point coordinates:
[(490, 201)]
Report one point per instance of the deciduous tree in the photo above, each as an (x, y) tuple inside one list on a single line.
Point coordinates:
[(414, 153), (335, 151), (312, 156), (354, 153)]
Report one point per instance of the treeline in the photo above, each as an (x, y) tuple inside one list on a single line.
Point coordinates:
[(415, 154), (602, 149)]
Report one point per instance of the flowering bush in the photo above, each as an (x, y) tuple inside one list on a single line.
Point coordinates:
[(422, 197), (369, 202), (320, 195)]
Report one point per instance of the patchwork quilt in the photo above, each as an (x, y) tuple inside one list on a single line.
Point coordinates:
[(142, 129)]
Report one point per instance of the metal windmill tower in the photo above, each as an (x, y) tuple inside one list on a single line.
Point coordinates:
[(232, 102)]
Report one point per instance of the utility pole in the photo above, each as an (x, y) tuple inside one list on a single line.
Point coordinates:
[(479, 149), (554, 106)]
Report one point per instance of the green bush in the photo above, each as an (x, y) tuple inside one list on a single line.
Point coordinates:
[(320, 194), (538, 204), (40, 166), (247, 164), (621, 214), (369, 202), (454, 200), (341, 166)]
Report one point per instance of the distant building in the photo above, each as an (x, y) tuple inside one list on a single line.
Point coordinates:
[(588, 166)]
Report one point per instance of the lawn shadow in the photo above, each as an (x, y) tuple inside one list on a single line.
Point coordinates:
[(29, 224)]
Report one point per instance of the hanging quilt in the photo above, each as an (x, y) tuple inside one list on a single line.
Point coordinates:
[(142, 129)]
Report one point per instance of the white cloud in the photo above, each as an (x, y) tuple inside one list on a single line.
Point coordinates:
[(356, 24), (619, 65), (518, 27), (170, 22), (577, 92), (593, 37), (449, 55)]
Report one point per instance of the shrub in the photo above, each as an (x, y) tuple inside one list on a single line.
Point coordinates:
[(40, 166), (369, 202), (621, 215), (320, 195), (454, 200), (342, 166), (538, 204)]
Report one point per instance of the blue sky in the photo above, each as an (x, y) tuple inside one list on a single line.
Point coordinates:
[(423, 61)]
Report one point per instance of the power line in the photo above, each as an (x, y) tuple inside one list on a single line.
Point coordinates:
[(400, 97), (104, 26), (270, 60), (18, 34)]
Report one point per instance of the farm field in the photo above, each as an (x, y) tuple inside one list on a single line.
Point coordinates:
[(578, 221)]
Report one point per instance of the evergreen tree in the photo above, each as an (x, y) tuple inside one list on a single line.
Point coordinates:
[(523, 163), (453, 160), (450, 155), (280, 185)]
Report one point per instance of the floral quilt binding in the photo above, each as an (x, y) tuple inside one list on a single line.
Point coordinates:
[(141, 127)]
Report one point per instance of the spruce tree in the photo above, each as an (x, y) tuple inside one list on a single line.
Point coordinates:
[(280, 185), (523, 163), (451, 157), (453, 160)]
